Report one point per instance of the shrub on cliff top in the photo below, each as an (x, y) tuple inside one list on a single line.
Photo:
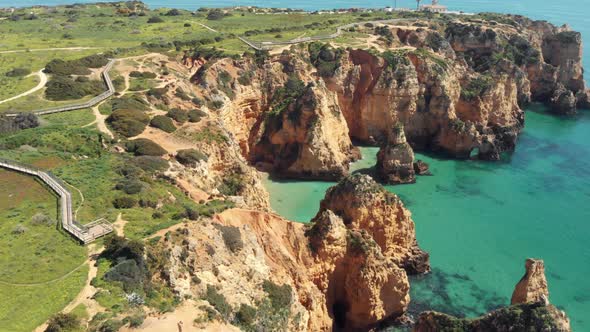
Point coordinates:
[(190, 157), (150, 164), (476, 87), (18, 72), (196, 115), (128, 122), (325, 58), (163, 123), (280, 296), (63, 322), (218, 301), (124, 202), (144, 147), (65, 88), (232, 237), (178, 115)]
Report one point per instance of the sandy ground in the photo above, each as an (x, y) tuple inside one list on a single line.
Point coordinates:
[(41, 85), (180, 320)]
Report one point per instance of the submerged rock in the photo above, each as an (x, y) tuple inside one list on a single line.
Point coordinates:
[(421, 168), (532, 288), (365, 205)]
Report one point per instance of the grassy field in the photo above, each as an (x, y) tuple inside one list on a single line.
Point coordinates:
[(40, 254)]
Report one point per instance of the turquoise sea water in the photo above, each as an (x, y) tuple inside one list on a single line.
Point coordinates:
[(480, 220)]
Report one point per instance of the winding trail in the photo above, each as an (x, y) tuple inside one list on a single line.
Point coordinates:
[(52, 49), (42, 81), (44, 282)]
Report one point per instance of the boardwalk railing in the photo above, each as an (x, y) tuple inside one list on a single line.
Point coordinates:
[(84, 233), (108, 93), (265, 45)]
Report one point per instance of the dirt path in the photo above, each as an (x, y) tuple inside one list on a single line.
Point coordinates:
[(41, 85), (208, 28), (44, 282), (100, 121), (52, 49)]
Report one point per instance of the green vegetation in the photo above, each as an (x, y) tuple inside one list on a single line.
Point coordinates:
[(18, 72), (178, 115), (75, 67), (325, 58), (128, 122), (63, 323), (66, 88), (195, 115), (232, 185), (190, 157), (293, 89), (206, 134), (232, 237), (476, 87), (164, 123), (144, 147)]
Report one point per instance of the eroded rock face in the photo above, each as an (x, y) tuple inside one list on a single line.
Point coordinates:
[(532, 288), (395, 160), (362, 286), (308, 139), (365, 205)]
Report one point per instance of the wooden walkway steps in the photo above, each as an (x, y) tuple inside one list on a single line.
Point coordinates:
[(84, 233), (92, 102)]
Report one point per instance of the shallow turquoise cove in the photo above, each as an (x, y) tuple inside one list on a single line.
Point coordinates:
[(480, 220)]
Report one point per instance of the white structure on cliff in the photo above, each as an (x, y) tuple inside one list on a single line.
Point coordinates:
[(434, 8)]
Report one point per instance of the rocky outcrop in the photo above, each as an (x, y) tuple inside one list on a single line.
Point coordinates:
[(521, 317), (529, 310), (307, 138), (362, 285), (365, 205), (395, 160), (532, 288)]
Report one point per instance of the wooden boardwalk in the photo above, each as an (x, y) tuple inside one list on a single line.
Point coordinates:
[(84, 233), (92, 102)]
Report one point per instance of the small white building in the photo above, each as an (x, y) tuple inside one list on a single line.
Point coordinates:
[(434, 7)]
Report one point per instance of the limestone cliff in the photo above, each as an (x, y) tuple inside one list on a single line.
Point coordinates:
[(365, 205), (305, 137), (336, 272)]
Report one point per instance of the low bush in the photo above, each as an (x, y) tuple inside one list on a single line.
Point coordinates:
[(131, 186), (280, 296), (178, 115), (19, 122), (128, 273), (231, 185), (215, 14), (182, 95), (18, 72), (144, 147), (196, 115), (111, 325), (76, 67), (163, 123), (145, 74), (232, 237), (150, 164), (155, 19), (128, 122), (65, 88), (218, 301), (134, 102), (124, 202), (246, 315), (63, 322), (190, 157), (157, 92)]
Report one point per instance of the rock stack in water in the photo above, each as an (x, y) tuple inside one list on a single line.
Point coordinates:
[(532, 288), (395, 160), (529, 310)]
